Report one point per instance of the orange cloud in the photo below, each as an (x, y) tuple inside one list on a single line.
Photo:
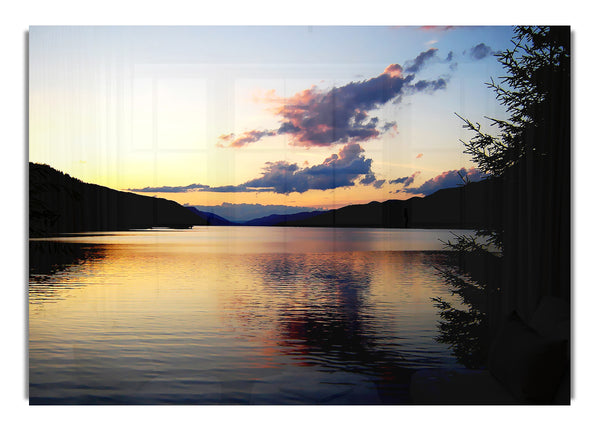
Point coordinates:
[(394, 70)]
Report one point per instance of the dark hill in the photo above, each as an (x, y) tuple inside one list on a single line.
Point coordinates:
[(211, 218), (278, 219), (59, 203), (473, 206)]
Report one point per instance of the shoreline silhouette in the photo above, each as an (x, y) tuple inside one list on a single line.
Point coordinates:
[(60, 203)]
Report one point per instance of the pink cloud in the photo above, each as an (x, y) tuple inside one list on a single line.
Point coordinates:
[(246, 138), (320, 118)]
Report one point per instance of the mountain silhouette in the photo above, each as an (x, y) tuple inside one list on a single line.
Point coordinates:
[(212, 218), (472, 206), (59, 203), (278, 219)]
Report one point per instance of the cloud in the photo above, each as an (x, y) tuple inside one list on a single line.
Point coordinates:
[(368, 179), (437, 27), (197, 188), (377, 184), (446, 180), (372, 180), (234, 189), (169, 189), (390, 125), (338, 170), (430, 86), (393, 70), (194, 188), (480, 51), (406, 181), (400, 180), (340, 115), (418, 63), (246, 138)]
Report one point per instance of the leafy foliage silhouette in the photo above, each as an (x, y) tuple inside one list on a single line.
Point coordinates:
[(530, 158), (538, 59)]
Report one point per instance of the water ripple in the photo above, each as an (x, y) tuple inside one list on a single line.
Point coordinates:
[(126, 320)]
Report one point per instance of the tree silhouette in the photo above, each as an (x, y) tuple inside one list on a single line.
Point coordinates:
[(528, 163), (533, 91)]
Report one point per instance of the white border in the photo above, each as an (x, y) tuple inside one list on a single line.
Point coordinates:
[(16, 18)]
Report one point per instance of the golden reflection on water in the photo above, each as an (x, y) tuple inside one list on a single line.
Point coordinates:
[(250, 239), (183, 311)]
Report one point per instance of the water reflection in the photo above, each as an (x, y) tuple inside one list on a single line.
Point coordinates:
[(325, 322), (464, 325), (327, 316), (168, 321), (52, 265)]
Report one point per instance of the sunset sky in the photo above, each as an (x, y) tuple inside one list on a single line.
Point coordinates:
[(302, 116)]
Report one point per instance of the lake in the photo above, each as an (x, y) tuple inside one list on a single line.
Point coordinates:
[(234, 315)]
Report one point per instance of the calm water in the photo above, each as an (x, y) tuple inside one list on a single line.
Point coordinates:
[(234, 315)]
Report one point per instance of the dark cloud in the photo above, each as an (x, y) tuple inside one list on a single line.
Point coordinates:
[(423, 85), (234, 189), (195, 188), (370, 179), (288, 127), (340, 115), (390, 125), (338, 170), (446, 180), (451, 58), (377, 184), (418, 63), (406, 181), (168, 189), (400, 180), (480, 51)]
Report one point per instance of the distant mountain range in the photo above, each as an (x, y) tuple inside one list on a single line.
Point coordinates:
[(244, 212), (59, 203), (211, 218), (270, 220)]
